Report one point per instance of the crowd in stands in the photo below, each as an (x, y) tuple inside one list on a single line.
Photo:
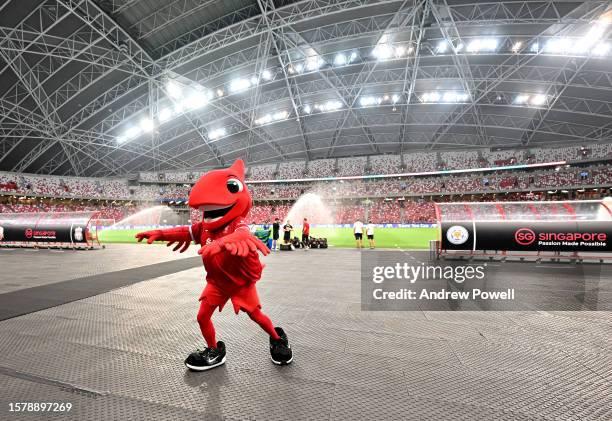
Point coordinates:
[(421, 162), (352, 166), (500, 181), (261, 172), (63, 186), (170, 176), (321, 168), (460, 161), (291, 169), (385, 164), (379, 212), (102, 210), (408, 162)]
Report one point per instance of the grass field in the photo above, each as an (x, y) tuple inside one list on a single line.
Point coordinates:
[(404, 238)]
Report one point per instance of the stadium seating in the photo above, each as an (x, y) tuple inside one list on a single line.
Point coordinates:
[(352, 166), (261, 172), (460, 160), (321, 168), (385, 164), (291, 169)]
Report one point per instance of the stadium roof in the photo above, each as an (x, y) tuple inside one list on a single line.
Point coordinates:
[(109, 87)]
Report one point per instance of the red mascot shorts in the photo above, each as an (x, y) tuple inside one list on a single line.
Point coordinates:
[(243, 297)]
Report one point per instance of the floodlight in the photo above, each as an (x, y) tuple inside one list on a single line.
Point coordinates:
[(132, 132), (146, 124), (174, 89), (217, 133), (538, 99), (340, 59), (601, 49), (382, 52), (238, 85), (165, 114)]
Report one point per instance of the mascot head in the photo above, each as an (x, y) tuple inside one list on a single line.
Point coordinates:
[(222, 195)]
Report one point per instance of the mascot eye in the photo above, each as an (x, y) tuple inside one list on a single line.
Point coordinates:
[(234, 185)]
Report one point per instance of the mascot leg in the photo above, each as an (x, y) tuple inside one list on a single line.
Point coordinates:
[(280, 350), (214, 355), (264, 322), (206, 325)]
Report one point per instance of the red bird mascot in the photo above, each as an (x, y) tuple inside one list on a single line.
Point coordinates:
[(229, 252)]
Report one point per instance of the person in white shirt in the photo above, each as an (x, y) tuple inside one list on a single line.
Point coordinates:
[(358, 232), (370, 234)]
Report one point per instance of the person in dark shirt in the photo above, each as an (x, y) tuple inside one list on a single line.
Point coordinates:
[(287, 229), (275, 233)]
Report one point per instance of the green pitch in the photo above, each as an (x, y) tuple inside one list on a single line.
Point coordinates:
[(404, 238)]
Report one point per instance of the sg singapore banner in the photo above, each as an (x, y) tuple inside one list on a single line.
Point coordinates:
[(45, 232), (585, 236)]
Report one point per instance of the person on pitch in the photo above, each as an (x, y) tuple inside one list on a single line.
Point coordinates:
[(370, 234), (287, 228), (275, 233), (358, 233), (230, 255), (306, 234)]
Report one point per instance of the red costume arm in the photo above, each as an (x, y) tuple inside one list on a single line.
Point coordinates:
[(180, 235), (239, 243)]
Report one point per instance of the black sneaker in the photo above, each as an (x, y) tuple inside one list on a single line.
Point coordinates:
[(206, 359), (280, 350)]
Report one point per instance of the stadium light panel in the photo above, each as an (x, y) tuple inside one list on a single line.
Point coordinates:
[(280, 115), (238, 85), (442, 46), (254, 81), (179, 107), (268, 118), (517, 46), (521, 99), (333, 105), (217, 133), (313, 63), (132, 132), (352, 57), (266, 75), (220, 92), (307, 109), (400, 51), (535, 47), (558, 46), (601, 49), (597, 31), (538, 99), (146, 124), (366, 101), (382, 52), (430, 97), (196, 100), (340, 59), (395, 98), (486, 44), (165, 114), (264, 119), (174, 89)]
